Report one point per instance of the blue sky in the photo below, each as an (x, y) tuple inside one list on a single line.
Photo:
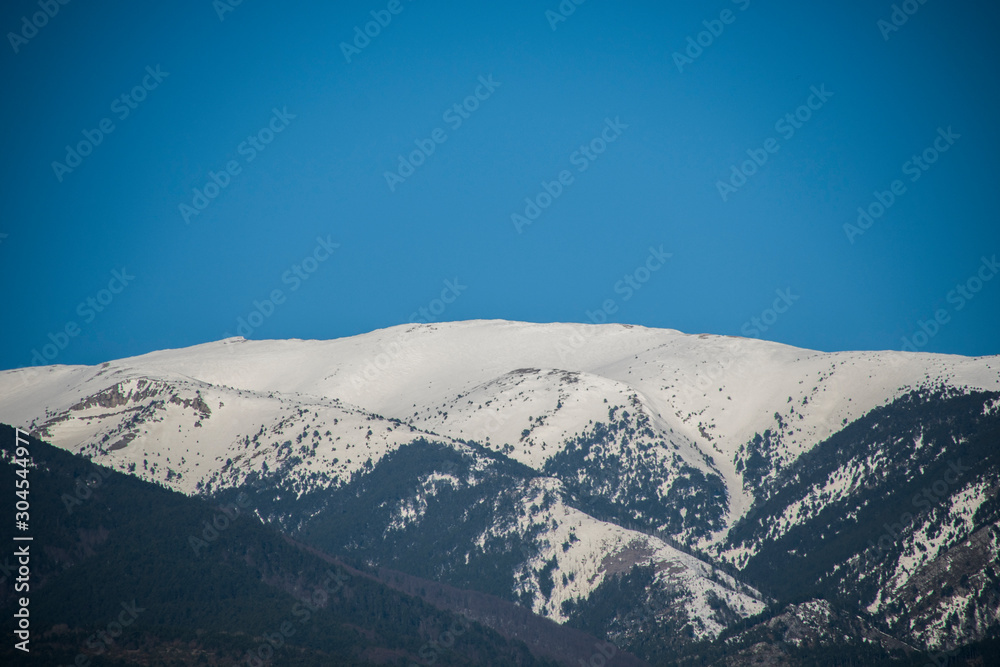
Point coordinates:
[(727, 144)]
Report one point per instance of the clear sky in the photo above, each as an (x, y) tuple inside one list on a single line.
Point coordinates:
[(271, 170)]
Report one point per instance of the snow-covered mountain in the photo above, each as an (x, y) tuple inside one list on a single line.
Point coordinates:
[(620, 446)]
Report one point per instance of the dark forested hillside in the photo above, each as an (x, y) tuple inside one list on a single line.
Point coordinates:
[(194, 583), (897, 514)]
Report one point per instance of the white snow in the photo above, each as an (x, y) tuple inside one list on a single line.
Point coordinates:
[(316, 412), (492, 379)]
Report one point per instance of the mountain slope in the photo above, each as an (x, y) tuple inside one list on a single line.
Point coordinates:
[(917, 545), (705, 394), (202, 581), (541, 463)]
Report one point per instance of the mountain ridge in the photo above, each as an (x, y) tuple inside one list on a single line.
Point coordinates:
[(580, 452)]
